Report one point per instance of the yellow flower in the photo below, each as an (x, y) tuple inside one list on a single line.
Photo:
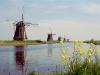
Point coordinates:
[(61, 42), (90, 50), (68, 56), (63, 57), (89, 60), (85, 51), (91, 44), (89, 54), (96, 51), (75, 41), (81, 52), (68, 65), (81, 47)]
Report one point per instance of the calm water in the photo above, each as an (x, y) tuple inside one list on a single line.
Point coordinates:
[(16, 60)]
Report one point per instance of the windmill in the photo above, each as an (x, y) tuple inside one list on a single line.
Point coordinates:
[(64, 39), (59, 38), (50, 36), (20, 31)]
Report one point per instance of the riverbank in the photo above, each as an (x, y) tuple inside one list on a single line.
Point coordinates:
[(21, 43), (96, 42)]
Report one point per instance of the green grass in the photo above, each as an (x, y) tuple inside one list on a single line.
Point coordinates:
[(28, 42)]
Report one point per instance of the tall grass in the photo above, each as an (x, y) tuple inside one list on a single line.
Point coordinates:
[(82, 62)]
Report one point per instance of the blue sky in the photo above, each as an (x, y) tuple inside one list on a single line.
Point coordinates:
[(74, 19)]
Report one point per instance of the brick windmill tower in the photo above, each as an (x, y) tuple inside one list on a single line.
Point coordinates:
[(50, 36)]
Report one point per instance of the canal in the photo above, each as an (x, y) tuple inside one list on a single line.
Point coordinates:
[(18, 60)]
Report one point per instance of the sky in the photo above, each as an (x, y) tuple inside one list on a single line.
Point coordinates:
[(74, 19)]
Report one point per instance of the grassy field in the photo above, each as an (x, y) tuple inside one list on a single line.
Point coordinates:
[(28, 42)]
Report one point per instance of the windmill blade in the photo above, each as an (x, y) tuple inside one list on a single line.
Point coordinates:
[(51, 30), (14, 22), (28, 23), (11, 21), (25, 35), (14, 28)]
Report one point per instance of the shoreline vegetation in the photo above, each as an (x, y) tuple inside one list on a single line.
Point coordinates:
[(27, 42), (35, 42), (96, 42)]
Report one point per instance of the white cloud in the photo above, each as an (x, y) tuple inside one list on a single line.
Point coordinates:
[(90, 8), (55, 9)]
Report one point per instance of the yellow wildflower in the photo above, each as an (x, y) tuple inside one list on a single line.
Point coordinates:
[(90, 50), (63, 57), (75, 41), (89, 60), (68, 56), (61, 42), (68, 65), (91, 44), (89, 54), (81, 52), (81, 47), (85, 51), (96, 51)]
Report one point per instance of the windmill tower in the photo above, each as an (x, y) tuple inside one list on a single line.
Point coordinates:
[(64, 39), (59, 38), (20, 31), (50, 36)]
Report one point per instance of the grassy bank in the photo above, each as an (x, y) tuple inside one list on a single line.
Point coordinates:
[(28, 42), (96, 42)]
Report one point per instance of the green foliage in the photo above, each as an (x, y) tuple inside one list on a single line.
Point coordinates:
[(81, 62), (33, 73)]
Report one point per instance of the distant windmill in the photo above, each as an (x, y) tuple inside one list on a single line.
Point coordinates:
[(20, 31), (50, 36), (64, 39), (59, 38)]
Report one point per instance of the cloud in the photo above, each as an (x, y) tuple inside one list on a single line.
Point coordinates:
[(90, 8), (55, 9)]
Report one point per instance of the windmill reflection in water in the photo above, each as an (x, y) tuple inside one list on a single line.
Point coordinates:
[(19, 57)]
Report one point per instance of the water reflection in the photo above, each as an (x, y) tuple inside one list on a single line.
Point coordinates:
[(49, 50), (19, 57)]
